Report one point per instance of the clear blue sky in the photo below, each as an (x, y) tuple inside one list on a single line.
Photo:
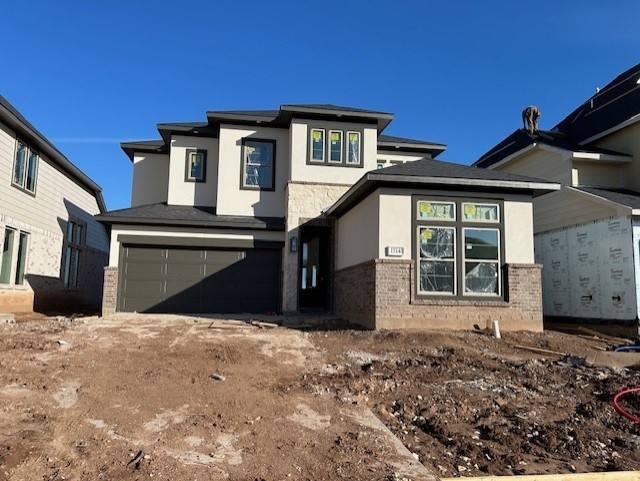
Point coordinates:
[(89, 75)]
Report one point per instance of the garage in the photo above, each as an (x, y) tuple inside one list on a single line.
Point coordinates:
[(199, 280)]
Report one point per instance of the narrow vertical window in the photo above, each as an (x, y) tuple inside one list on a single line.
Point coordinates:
[(317, 145), (20, 164), (74, 241), (22, 258), (353, 148), (196, 165), (7, 254), (32, 170), (335, 146)]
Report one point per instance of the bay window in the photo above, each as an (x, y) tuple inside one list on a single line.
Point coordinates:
[(458, 248)]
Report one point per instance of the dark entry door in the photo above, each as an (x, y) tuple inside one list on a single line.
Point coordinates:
[(314, 275)]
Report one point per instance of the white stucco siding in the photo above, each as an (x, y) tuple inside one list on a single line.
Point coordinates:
[(150, 179), (395, 223), (57, 197), (518, 232), (232, 199), (358, 233), (195, 233), (299, 136), (183, 192)]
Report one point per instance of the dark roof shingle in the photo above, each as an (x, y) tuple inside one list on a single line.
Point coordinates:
[(626, 197)]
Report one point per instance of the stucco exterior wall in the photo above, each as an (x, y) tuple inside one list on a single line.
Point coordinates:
[(196, 233), (232, 200), (358, 233), (183, 192), (150, 179), (300, 171), (518, 232)]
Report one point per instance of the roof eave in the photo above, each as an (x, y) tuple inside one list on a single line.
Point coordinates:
[(273, 225), (434, 149), (370, 180), (53, 154), (615, 128), (382, 119)]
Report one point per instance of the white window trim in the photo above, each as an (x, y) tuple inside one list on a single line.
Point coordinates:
[(324, 146), (204, 159), (341, 146), (359, 162), (486, 221), (497, 262), (454, 261)]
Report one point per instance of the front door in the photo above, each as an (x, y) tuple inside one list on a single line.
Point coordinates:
[(314, 275)]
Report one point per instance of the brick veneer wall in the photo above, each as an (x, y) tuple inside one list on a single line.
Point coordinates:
[(380, 294), (110, 291)]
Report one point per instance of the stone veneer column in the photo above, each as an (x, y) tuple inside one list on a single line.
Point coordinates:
[(304, 201), (110, 291)]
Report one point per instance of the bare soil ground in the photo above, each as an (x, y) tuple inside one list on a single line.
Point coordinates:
[(80, 398)]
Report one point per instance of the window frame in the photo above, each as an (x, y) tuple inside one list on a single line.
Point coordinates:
[(69, 247), (497, 261), (187, 171), (243, 165), (17, 262), (344, 150), (349, 132), (29, 152), (453, 261), (459, 225), (10, 253), (324, 145)]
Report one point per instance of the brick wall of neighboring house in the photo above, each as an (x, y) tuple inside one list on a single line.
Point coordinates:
[(110, 291), (305, 201), (388, 287)]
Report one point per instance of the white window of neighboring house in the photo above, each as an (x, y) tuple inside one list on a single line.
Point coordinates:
[(335, 146), (8, 250), (196, 165), (258, 164), (317, 145), (353, 148), (25, 167), (73, 242)]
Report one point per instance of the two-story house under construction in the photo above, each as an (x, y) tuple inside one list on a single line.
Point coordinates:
[(313, 208), (587, 235), (53, 250)]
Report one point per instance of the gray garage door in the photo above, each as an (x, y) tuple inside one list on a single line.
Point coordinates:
[(156, 279)]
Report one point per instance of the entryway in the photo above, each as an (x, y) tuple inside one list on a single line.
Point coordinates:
[(314, 278)]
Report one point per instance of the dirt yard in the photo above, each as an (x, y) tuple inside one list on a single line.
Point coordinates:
[(219, 399)]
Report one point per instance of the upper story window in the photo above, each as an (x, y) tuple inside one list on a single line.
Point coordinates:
[(196, 165), (458, 254), (258, 164), (25, 168), (335, 147), (317, 145)]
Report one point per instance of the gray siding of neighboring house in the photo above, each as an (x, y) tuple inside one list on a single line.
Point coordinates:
[(44, 217)]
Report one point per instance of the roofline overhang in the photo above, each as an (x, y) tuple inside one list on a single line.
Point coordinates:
[(621, 209), (43, 146), (381, 119), (268, 224), (371, 180), (567, 154), (131, 148), (166, 130), (222, 117), (433, 149), (615, 128)]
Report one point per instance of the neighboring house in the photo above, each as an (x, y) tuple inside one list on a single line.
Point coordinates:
[(285, 211), (587, 234), (53, 250)]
